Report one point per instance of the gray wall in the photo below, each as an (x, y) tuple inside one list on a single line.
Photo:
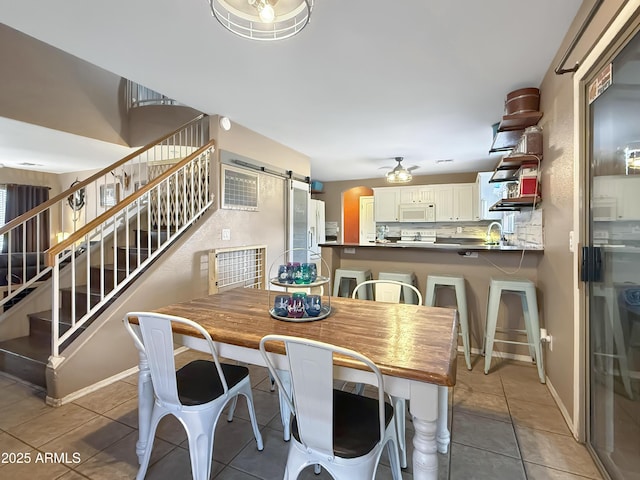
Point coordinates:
[(555, 276)]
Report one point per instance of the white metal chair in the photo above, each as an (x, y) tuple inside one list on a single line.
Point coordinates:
[(196, 394), (342, 432), (388, 291)]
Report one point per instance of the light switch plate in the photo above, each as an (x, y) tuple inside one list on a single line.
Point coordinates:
[(226, 234)]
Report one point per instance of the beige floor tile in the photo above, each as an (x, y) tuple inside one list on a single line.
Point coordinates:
[(6, 380), (17, 392), (108, 397), (177, 465), (468, 463), (539, 472), (528, 414), (230, 438), (559, 452), (119, 461), (126, 413), (52, 424), (38, 469), (269, 463), (479, 382), (481, 404), (520, 389), (89, 439), (22, 411), (171, 430), (72, 475), (13, 450), (266, 405), (484, 433)]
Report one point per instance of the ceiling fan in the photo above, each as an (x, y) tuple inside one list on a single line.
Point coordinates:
[(400, 174)]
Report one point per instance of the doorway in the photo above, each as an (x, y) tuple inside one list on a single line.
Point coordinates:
[(610, 262), (351, 213)]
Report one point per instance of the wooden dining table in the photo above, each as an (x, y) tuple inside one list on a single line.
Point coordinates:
[(414, 346)]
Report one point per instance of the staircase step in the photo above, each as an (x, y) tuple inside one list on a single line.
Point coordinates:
[(26, 358), (133, 256), (80, 298), (109, 274), (155, 235), (40, 325)]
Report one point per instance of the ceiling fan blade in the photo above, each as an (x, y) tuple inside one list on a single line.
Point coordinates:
[(414, 167)]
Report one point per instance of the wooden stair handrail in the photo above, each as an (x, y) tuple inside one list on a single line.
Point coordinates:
[(52, 252), (64, 195)]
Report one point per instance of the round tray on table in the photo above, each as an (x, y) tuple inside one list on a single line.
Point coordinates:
[(324, 313)]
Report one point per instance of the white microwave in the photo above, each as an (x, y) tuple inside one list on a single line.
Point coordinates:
[(604, 209), (417, 212)]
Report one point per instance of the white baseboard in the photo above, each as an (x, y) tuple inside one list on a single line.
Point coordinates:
[(563, 410), (57, 402)]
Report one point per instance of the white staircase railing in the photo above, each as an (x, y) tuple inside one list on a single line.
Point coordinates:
[(89, 199), (124, 240)]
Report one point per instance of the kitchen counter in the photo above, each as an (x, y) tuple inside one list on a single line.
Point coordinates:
[(455, 247)]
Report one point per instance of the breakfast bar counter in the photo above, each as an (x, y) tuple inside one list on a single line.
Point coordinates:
[(477, 263)]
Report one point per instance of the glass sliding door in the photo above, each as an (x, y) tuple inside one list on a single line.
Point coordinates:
[(611, 261)]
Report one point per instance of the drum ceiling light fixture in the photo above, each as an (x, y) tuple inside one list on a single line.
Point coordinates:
[(264, 20)]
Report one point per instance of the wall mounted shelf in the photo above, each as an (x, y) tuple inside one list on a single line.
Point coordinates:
[(509, 166), (515, 204)]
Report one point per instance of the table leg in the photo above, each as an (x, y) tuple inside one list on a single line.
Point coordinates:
[(145, 405), (424, 408), (285, 412), (443, 437)]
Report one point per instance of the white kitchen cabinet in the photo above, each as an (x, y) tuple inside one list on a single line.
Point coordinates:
[(444, 202), (614, 197), (418, 194), (464, 202), (455, 202), (386, 200)]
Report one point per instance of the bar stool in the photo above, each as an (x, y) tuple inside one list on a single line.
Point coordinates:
[(609, 295), (408, 295), (346, 275), (526, 289), (457, 282)]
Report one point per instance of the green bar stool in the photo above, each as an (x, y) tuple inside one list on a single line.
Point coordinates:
[(526, 289), (344, 277), (457, 282), (408, 295)]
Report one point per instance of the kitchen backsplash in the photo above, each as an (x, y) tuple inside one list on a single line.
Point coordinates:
[(527, 229)]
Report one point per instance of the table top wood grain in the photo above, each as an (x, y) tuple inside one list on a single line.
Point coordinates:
[(408, 341)]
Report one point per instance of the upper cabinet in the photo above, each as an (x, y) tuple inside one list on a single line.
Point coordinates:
[(386, 201), (418, 194), (455, 202)]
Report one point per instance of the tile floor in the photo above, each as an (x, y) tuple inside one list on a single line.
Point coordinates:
[(504, 425)]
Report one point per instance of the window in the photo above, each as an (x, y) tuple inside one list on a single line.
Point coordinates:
[(3, 202), (239, 189)]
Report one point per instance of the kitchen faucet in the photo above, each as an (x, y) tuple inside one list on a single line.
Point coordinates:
[(488, 237)]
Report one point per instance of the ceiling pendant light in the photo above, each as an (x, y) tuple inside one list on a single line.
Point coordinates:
[(262, 19), (399, 174)]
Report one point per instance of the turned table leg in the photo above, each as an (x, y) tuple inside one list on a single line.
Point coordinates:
[(424, 408)]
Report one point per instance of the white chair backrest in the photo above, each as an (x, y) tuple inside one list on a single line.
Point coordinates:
[(388, 291), (154, 337), (311, 366)]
